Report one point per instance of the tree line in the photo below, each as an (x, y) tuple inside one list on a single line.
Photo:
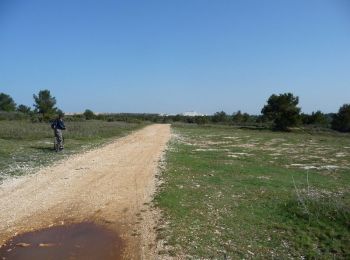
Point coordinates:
[(281, 112), (44, 106)]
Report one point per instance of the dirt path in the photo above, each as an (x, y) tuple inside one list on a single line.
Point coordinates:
[(111, 186)]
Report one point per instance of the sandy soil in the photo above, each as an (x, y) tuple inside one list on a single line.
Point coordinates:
[(112, 186)]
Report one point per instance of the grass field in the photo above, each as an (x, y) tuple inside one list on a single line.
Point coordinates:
[(230, 193), (25, 146)]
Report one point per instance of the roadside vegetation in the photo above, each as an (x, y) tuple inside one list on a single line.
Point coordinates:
[(231, 193), (26, 146), (281, 113)]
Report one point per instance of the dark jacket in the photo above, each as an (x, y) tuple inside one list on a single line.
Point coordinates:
[(58, 124)]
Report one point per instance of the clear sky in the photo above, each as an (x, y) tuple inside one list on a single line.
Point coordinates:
[(171, 56)]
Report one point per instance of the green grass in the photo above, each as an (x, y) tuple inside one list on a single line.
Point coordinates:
[(238, 193), (25, 146)]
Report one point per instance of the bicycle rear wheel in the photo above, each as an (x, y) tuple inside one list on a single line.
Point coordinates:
[(55, 145)]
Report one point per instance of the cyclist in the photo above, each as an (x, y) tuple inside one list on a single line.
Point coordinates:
[(58, 126)]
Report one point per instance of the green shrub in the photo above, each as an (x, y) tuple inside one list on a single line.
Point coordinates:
[(341, 120)]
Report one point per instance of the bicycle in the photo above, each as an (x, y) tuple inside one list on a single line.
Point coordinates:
[(56, 146)]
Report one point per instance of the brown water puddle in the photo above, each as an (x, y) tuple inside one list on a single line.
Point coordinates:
[(76, 241)]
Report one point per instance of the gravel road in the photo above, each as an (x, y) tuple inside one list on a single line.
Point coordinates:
[(112, 186)]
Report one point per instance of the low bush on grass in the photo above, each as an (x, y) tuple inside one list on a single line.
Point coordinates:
[(318, 223)]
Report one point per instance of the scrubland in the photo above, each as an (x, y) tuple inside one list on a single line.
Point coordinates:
[(238, 193)]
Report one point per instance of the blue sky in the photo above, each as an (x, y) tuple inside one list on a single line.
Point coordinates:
[(171, 56)]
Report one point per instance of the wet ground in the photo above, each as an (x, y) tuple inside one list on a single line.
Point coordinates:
[(76, 241)]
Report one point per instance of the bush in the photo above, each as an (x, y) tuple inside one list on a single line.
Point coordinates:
[(341, 120), (219, 117), (318, 225), (13, 116), (6, 103), (89, 114), (45, 105), (282, 110), (316, 118), (24, 109), (200, 120)]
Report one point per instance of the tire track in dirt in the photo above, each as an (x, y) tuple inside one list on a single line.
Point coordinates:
[(112, 186)]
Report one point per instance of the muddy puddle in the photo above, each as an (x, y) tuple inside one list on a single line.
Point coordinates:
[(76, 241)]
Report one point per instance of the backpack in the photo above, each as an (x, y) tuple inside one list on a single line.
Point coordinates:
[(54, 124)]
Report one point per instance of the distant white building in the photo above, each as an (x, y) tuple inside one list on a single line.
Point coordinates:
[(72, 113), (192, 113)]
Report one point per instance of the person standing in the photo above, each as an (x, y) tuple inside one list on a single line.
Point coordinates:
[(58, 126)]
